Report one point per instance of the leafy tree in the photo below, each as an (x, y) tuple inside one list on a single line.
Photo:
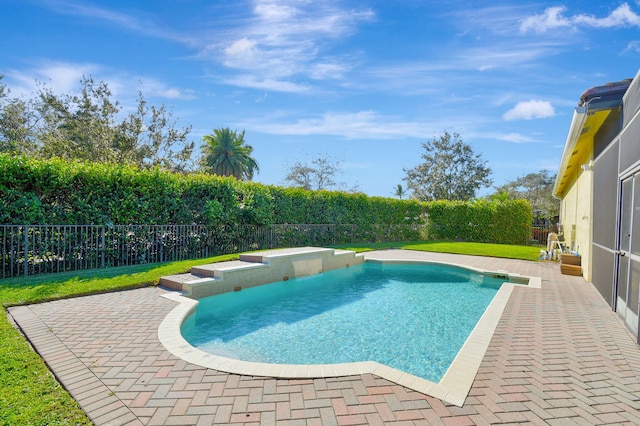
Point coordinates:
[(78, 126), (88, 126), (227, 154), (318, 174), (16, 122), (451, 171), (537, 188), (16, 131), (148, 137)]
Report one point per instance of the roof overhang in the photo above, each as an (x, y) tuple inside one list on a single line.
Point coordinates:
[(595, 106), (578, 148)]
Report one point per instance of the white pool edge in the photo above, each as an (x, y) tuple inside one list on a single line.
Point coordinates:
[(453, 388)]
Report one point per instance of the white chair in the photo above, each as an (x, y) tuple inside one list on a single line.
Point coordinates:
[(553, 242)]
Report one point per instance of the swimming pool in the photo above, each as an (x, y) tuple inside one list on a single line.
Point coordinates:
[(454, 386), (411, 317)]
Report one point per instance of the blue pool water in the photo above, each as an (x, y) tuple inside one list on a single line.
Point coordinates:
[(411, 317)]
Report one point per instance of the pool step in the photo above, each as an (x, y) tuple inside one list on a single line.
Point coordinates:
[(178, 282), (259, 268), (217, 270)]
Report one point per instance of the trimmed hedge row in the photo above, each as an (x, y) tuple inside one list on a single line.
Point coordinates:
[(503, 222), (59, 192)]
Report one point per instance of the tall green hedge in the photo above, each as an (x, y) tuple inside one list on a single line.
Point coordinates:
[(294, 205), (60, 192), (504, 222)]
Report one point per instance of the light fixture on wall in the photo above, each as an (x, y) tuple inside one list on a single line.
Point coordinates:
[(587, 166)]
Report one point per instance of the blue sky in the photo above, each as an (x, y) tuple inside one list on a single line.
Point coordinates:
[(362, 82)]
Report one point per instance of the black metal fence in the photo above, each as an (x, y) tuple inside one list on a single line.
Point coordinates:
[(34, 249)]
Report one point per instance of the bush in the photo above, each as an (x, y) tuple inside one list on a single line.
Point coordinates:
[(503, 222), (57, 192)]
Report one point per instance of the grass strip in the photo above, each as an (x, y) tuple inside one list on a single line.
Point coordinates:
[(29, 394), (454, 247)]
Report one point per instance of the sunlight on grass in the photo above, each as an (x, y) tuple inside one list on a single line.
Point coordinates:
[(14, 291), (30, 394), (455, 247)]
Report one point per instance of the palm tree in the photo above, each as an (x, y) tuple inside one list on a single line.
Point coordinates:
[(227, 154), (400, 191)]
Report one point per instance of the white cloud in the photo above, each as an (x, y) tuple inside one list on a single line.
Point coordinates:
[(623, 16), (65, 77), (241, 53), (285, 39), (60, 77), (152, 87), (242, 47), (277, 41), (504, 55), (516, 138), (633, 46), (554, 18), (551, 19), (145, 25), (513, 137), (273, 84), (529, 110), (356, 125), (322, 71), (271, 11), (448, 75)]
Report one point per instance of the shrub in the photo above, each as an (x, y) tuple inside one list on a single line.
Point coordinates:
[(504, 222), (60, 192)]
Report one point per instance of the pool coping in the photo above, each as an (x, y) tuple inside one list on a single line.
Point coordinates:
[(453, 388)]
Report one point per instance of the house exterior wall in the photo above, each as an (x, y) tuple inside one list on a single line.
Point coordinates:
[(601, 199), (576, 218)]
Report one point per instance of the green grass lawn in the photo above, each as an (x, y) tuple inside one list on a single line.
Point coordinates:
[(29, 394), (477, 249)]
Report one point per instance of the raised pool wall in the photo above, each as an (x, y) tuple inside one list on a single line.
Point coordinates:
[(258, 268)]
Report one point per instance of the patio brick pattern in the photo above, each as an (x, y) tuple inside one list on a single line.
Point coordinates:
[(558, 356)]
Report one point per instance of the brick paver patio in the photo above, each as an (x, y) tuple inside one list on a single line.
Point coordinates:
[(558, 356)]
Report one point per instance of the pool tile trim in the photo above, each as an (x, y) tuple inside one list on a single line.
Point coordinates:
[(453, 388)]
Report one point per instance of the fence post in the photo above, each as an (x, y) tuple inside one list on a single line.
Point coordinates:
[(26, 250), (102, 248)]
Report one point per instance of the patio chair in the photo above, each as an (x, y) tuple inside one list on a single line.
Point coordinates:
[(555, 241)]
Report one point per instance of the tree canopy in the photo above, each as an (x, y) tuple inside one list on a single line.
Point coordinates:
[(227, 154), (90, 125), (318, 174), (450, 171), (537, 188)]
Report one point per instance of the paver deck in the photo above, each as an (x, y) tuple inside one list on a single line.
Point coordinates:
[(558, 356)]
